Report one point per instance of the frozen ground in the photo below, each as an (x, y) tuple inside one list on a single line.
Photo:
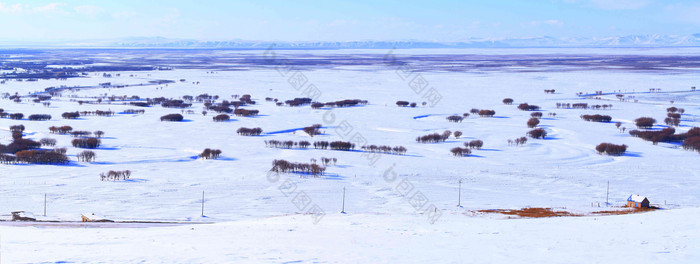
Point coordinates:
[(258, 218)]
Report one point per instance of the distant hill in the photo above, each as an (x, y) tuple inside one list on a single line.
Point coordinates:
[(532, 42)]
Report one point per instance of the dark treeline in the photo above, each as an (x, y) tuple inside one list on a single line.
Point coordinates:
[(134, 111), (537, 133), (644, 122), (528, 107), (486, 113), (244, 131), (60, 130), (90, 143), (313, 130), (221, 118), (70, 115), (666, 135), (210, 153), (172, 118), (455, 118), (115, 175), (611, 149), (340, 103), (245, 112), (461, 152), (434, 138), (283, 166), (298, 101), (597, 118), (335, 145), (39, 117), (400, 150)]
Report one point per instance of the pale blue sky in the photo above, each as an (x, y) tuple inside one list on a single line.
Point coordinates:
[(330, 20)]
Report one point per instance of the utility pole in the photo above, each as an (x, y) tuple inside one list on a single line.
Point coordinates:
[(459, 196), (202, 203), (342, 211)]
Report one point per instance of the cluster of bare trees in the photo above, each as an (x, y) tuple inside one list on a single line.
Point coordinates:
[(39, 117), (246, 99), (672, 121), (245, 112), (692, 141), (573, 106), (434, 138), (341, 103), (40, 156), (487, 113), (455, 118), (115, 175), (611, 149), (400, 150), (13, 116), (533, 122), (326, 161), (298, 101), (665, 135), (221, 118), (508, 101), (173, 103), (134, 111), (97, 113), (283, 166), (210, 153), (461, 152), (244, 131), (674, 109), (673, 115), (340, 145), (405, 103), (80, 133), (644, 122), (172, 118), (287, 144), (537, 133), (50, 142), (86, 143), (517, 141), (17, 128), (86, 156), (549, 91), (474, 144), (313, 130), (597, 118), (70, 115), (60, 130), (19, 144), (528, 107)]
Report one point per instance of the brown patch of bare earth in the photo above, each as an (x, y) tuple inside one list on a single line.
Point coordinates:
[(539, 212), (531, 212)]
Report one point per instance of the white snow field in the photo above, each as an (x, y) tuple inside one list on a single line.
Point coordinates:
[(399, 208)]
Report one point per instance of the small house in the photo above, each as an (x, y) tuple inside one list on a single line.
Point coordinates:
[(23, 216), (637, 201)]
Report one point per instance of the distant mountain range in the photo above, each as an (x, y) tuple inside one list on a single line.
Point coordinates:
[(533, 42)]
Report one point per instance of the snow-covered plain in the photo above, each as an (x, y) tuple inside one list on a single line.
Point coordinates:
[(400, 208)]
